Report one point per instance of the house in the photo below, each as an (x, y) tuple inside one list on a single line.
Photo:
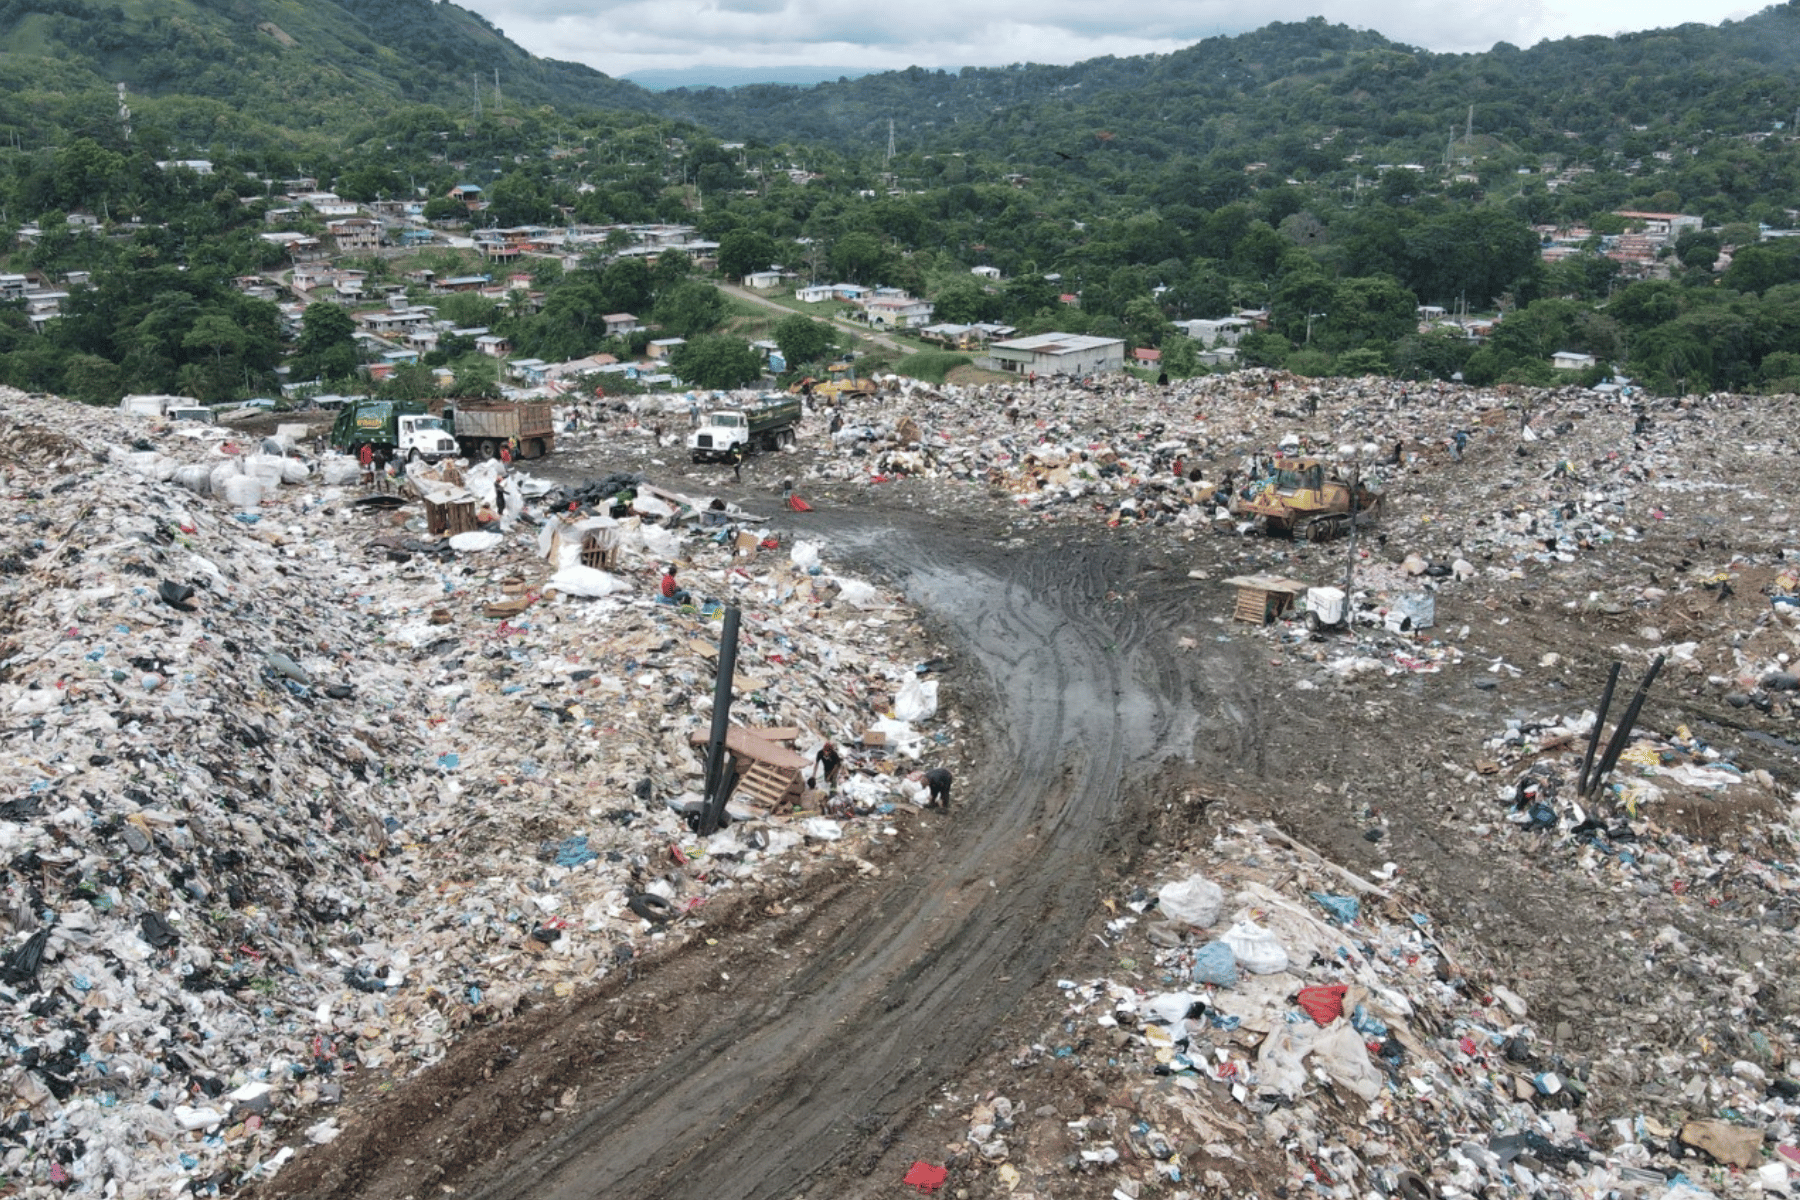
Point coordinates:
[(762, 281), (853, 292), (199, 166), (664, 347), (897, 312), (493, 345), (497, 250), (463, 283), (299, 247), (1218, 331), (469, 194), (417, 237), (1571, 360), (355, 235), (813, 294), (986, 272), (1058, 354), (388, 321), (620, 324), (1662, 226), (1147, 356)]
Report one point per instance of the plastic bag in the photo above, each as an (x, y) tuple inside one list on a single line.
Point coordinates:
[(1196, 900), (589, 582), (339, 470), (805, 555), (1215, 963), (1170, 1007), (917, 700), (242, 491), (195, 478), (1344, 909), (1256, 948), (475, 540), (858, 594)]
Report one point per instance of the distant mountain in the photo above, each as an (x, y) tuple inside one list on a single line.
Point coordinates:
[(798, 75), (320, 65)]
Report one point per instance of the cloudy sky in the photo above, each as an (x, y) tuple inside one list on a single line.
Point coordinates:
[(622, 36)]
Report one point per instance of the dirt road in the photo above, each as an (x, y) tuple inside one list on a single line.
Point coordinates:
[(862, 331), (806, 1045), (792, 1053)]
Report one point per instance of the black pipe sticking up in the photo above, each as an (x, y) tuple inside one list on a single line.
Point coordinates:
[(1587, 760), (719, 780), (1622, 733)]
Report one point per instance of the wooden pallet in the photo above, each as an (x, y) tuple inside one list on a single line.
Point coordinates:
[(772, 787)]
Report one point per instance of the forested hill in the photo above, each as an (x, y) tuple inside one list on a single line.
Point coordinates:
[(1299, 96), (1280, 88), (233, 70)]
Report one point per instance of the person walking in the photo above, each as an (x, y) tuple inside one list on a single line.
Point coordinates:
[(828, 764), (938, 781), (737, 463)]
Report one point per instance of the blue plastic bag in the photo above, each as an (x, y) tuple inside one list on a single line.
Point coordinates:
[(1344, 909), (1215, 963)]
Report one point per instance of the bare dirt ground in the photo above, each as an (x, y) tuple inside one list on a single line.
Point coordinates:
[(803, 1046)]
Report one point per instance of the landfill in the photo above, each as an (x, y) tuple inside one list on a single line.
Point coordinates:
[(302, 787), (297, 788)]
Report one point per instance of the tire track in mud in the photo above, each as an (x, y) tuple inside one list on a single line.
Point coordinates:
[(789, 1077), (911, 991)]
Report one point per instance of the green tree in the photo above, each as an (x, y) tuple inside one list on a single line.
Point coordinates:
[(327, 345), (476, 377), (92, 380), (803, 340), (714, 361), (1180, 355), (689, 309), (744, 250), (860, 258)]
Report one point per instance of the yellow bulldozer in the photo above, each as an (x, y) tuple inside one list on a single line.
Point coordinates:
[(1307, 498), (833, 389)]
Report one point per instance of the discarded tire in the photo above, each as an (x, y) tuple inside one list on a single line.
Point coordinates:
[(651, 907)]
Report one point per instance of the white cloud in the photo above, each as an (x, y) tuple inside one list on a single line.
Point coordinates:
[(621, 36)]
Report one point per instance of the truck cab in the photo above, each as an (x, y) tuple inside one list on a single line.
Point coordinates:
[(719, 435), (422, 436)]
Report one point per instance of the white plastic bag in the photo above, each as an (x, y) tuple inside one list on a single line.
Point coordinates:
[(475, 540), (1256, 948), (917, 700), (1192, 901), (339, 470), (588, 582), (858, 594), (243, 491), (805, 555), (1170, 1007), (195, 478)]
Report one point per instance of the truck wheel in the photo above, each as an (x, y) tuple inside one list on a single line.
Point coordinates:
[(489, 448), (413, 455)]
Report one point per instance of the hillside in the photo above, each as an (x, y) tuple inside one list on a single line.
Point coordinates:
[(1292, 83), (227, 69)]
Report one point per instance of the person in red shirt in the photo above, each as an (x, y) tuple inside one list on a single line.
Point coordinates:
[(671, 590)]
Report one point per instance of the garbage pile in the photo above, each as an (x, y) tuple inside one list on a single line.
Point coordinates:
[(297, 787), (1277, 1025)]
